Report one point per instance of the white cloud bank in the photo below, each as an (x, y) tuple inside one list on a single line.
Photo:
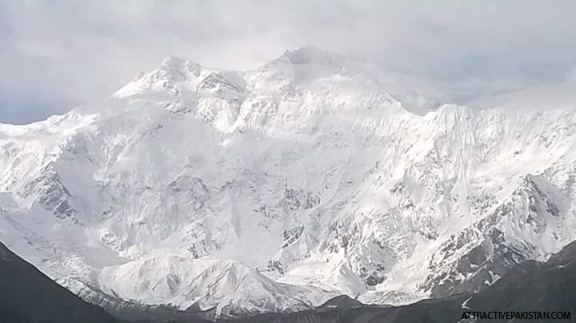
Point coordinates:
[(79, 50)]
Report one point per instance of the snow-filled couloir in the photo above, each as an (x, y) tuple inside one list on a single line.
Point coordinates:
[(279, 188)]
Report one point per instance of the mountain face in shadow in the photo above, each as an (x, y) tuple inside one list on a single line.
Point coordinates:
[(29, 296)]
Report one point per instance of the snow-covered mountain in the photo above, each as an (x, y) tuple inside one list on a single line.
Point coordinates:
[(279, 188)]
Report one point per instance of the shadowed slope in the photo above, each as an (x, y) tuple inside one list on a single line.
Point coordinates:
[(27, 295)]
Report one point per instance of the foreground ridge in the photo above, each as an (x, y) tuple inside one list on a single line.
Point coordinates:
[(29, 296), (535, 291)]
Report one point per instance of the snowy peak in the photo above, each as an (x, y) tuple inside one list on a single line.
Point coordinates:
[(310, 65), (179, 77), (221, 286), (300, 75), (311, 68), (311, 55), (172, 71), (179, 65)]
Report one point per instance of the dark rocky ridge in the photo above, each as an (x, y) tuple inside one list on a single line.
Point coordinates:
[(27, 295)]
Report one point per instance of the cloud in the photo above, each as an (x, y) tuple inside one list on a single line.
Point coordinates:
[(80, 50), (24, 104)]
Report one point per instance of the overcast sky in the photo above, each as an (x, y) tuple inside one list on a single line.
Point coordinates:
[(55, 54)]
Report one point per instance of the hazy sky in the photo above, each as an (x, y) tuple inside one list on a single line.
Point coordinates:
[(58, 53)]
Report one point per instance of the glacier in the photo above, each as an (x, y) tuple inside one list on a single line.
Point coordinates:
[(276, 189)]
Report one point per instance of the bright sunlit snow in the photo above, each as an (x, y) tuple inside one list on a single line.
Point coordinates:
[(281, 187)]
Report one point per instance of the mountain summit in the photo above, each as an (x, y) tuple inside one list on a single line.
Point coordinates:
[(279, 188)]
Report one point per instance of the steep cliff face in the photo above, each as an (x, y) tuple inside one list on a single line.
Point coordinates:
[(279, 188)]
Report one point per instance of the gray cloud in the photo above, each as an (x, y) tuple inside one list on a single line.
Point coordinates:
[(22, 104), (80, 50)]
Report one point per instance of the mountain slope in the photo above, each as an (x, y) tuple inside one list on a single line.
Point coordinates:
[(312, 176), (29, 296), (529, 287)]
